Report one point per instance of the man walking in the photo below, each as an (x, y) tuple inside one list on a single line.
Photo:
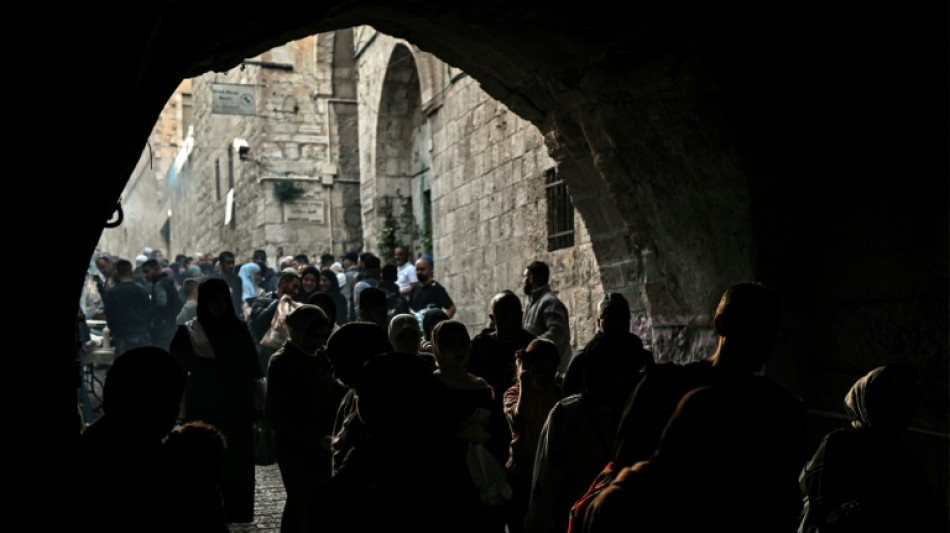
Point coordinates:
[(226, 272), (128, 310), (429, 291), (546, 315), (369, 277), (351, 271), (165, 303), (269, 276), (405, 271)]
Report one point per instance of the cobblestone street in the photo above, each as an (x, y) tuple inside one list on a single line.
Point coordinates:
[(268, 501)]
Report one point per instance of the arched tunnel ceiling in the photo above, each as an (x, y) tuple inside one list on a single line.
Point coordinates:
[(835, 114), (533, 57), (662, 109)]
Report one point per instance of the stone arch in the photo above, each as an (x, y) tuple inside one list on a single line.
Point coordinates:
[(813, 125), (398, 172)]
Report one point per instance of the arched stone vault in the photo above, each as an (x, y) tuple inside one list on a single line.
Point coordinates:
[(714, 142)]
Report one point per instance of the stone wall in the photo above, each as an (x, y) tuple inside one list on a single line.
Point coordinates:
[(418, 130), (484, 169), (145, 198), (301, 134)]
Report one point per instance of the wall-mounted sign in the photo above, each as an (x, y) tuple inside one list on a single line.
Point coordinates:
[(229, 207), (308, 211), (233, 99)]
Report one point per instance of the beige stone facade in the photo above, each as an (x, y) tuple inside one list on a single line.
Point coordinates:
[(385, 143)]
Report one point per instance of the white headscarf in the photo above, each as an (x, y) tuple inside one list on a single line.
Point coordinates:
[(249, 284)]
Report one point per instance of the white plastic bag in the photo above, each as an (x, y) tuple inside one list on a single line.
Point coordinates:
[(489, 475)]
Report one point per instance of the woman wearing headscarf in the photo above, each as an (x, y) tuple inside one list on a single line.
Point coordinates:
[(863, 477), (302, 399), (309, 284), (330, 284), (406, 336), (223, 388), (250, 274)]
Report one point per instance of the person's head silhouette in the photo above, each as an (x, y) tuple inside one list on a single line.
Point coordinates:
[(143, 388), (747, 322)]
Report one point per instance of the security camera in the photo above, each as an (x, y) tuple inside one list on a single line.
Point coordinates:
[(241, 147)]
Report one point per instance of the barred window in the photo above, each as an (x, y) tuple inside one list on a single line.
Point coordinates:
[(560, 212)]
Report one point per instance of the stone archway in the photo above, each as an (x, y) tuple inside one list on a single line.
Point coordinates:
[(832, 122), (400, 162)]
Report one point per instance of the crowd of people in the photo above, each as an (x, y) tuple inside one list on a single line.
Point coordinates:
[(379, 399)]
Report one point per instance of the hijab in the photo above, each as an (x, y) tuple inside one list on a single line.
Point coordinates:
[(248, 283), (302, 294), (302, 323), (884, 399), (334, 282), (227, 335), (404, 333)]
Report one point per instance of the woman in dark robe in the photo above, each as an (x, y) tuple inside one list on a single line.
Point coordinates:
[(864, 477), (301, 405), (329, 284), (309, 284), (223, 388)]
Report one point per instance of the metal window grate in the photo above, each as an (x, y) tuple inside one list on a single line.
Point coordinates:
[(560, 212)]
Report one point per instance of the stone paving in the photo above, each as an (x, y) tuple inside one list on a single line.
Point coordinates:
[(268, 501)]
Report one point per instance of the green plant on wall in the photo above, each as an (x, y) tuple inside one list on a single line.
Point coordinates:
[(286, 190), (425, 240), (397, 228)]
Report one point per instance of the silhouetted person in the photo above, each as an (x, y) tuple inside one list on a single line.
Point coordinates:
[(710, 472), (224, 379), (863, 477), (493, 349), (396, 303), (197, 450), (613, 326), (395, 473), (302, 400), (348, 348), (430, 317), (325, 302), (372, 307), (133, 479), (747, 322), (405, 335), (527, 404), (578, 437), (469, 404)]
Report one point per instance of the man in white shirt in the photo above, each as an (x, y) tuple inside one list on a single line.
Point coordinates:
[(405, 271)]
